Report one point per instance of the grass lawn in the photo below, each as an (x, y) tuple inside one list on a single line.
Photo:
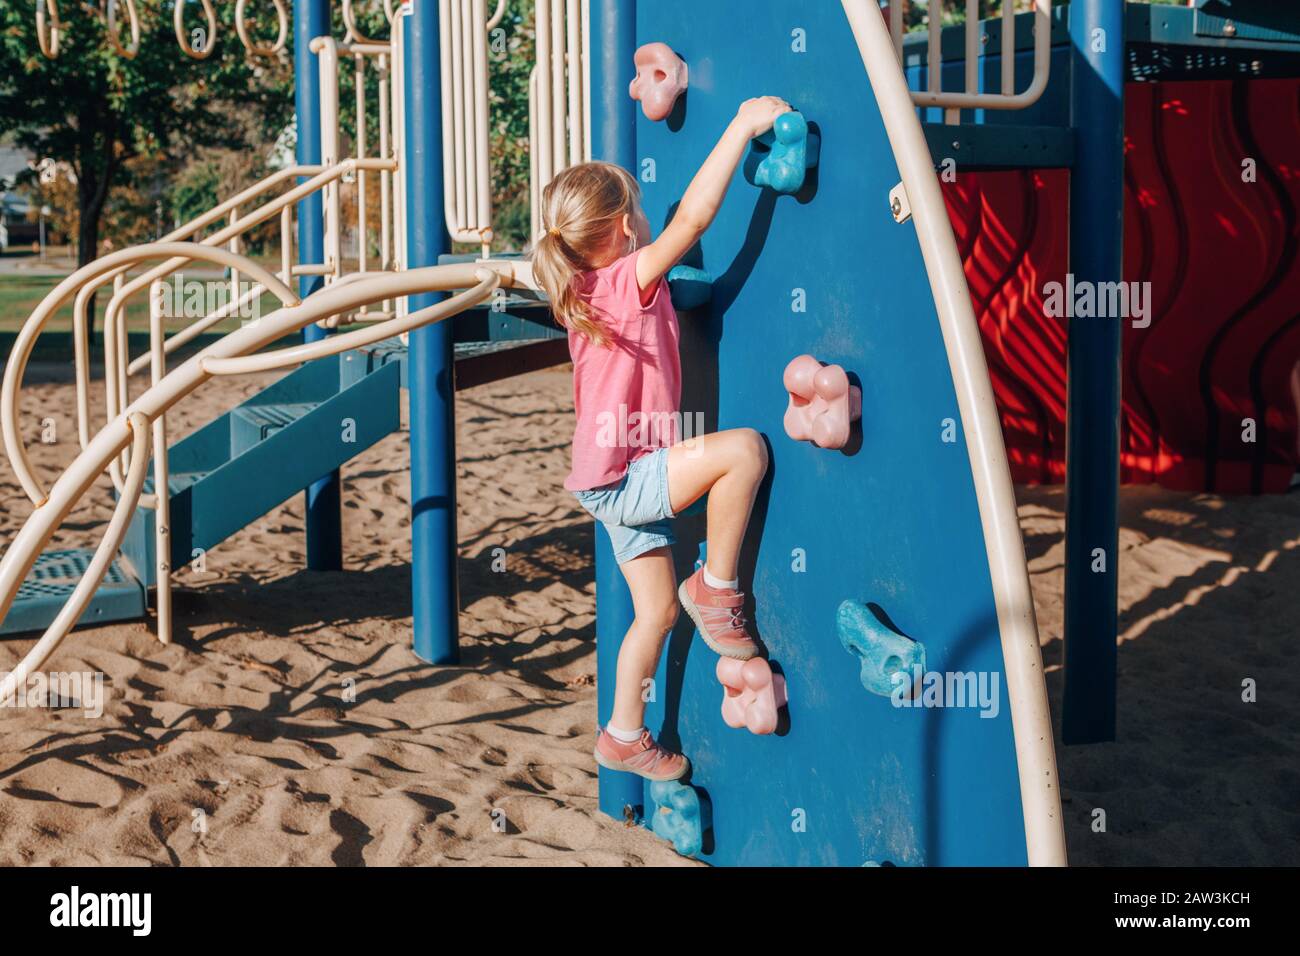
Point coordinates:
[(20, 294)]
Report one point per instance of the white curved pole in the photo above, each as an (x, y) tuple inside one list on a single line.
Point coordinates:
[(263, 213), (489, 281), (137, 428), (161, 475), (1031, 720), (80, 322), (21, 352), (73, 483)]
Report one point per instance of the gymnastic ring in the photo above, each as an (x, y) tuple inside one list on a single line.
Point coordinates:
[(178, 21), (257, 49), (48, 38), (133, 47), (354, 32)]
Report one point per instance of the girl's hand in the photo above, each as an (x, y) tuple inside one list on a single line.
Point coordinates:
[(756, 116)]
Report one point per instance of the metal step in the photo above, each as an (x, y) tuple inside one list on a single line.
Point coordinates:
[(261, 453), (41, 596)]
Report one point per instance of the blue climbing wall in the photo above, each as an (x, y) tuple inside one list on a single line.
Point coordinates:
[(892, 522)]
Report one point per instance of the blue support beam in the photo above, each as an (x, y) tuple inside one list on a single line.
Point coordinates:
[(613, 132), (434, 604), (1093, 422), (311, 18)]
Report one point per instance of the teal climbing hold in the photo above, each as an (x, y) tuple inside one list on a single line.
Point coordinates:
[(882, 652), (691, 288), (677, 816), (791, 150)]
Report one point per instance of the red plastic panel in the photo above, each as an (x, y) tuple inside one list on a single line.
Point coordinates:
[(1220, 253)]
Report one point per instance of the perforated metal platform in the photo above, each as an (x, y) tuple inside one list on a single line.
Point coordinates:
[(55, 574)]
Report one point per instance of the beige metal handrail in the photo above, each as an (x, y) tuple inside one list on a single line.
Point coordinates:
[(184, 232), (137, 430), (1031, 721), (467, 195), (222, 357), (559, 96), (178, 24), (115, 381), (16, 365), (223, 247), (971, 98)]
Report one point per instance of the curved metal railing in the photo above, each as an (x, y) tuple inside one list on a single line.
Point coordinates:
[(971, 98), (232, 354)]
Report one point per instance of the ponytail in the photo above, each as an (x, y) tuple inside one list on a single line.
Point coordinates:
[(582, 210)]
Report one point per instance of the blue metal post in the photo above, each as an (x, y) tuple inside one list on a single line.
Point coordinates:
[(1092, 457), (613, 131), (311, 18), (429, 360)]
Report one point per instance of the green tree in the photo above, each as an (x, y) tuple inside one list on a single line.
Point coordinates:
[(513, 51), (103, 113)]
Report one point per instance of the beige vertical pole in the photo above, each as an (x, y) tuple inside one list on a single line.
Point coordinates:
[(161, 490), (1031, 719)]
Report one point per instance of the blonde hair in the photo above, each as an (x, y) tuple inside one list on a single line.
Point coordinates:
[(582, 211)]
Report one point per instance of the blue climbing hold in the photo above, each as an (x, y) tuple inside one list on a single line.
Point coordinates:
[(691, 288), (883, 653), (791, 150), (677, 816)]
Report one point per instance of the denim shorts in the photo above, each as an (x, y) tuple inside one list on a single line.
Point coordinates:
[(636, 508)]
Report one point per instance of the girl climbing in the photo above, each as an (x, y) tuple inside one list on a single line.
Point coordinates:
[(631, 469)]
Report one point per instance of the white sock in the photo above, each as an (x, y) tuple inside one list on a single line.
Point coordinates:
[(624, 736), (719, 584)]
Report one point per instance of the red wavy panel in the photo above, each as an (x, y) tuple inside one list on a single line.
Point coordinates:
[(1219, 250)]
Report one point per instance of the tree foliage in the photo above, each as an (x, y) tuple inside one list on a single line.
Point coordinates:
[(130, 123)]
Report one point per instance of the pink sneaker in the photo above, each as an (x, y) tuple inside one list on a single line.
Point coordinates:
[(719, 617), (644, 757)]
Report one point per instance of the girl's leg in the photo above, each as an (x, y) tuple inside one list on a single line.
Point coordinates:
[(729, 466), (653, 583)]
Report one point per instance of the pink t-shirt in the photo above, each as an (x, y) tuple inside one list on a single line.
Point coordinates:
[(626, 393)]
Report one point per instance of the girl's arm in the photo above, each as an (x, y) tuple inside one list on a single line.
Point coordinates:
[(704, 196)]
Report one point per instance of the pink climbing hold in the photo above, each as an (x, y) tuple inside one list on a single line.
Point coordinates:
[(660, 79), (752, 694), (823, 405)]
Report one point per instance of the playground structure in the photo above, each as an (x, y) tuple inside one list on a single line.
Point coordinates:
[(868, 783)]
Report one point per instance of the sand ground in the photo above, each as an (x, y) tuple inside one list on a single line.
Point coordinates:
[(237, 745)]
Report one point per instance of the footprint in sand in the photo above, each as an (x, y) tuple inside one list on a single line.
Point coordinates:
[(473, 691), (63, 781)]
